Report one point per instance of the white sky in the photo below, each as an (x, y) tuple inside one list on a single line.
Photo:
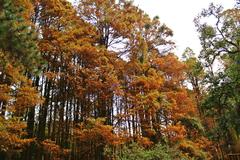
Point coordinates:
[(179, 15)]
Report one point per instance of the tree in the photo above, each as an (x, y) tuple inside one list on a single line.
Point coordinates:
[(220, 43), (17, 35), (194, 76), (19, 59)]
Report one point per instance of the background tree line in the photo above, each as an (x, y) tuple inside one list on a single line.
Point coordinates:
[(98, 80)]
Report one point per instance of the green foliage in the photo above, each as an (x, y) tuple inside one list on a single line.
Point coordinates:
[(194, 71), (18, 37), (220, 44), (193, 123), (133, 151), (191, 150)]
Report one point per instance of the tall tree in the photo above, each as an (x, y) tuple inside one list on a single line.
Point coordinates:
[(19, 55), (220, 43), (194, 76)]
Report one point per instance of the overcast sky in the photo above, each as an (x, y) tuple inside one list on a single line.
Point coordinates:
[(179, 15)]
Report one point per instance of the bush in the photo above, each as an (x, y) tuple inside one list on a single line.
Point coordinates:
[(133, 151)]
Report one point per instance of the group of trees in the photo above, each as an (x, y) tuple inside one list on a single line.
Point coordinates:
[(98, 81), (220, 59)]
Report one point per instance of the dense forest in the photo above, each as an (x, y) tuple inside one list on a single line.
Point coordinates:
[(98, 80)]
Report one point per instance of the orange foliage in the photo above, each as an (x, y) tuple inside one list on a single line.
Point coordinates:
[(181, 104), (102, 61), (11, 135), (144, 141), (55, 151), (96, 132), (175, 132)]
